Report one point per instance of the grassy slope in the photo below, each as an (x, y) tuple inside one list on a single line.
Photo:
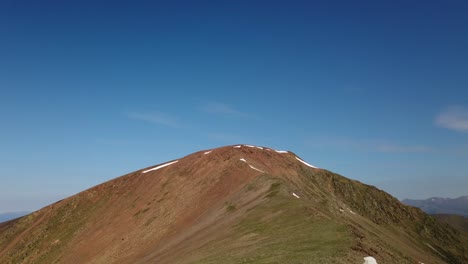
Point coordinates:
[(457, 221), (416, 230), (47, 232), (281, 229)]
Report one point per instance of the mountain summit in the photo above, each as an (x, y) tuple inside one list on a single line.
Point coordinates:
[(234, 204)]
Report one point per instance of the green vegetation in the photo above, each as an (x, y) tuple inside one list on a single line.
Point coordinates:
[(279, 230), (274, 189), (456, 221), (230, 207)]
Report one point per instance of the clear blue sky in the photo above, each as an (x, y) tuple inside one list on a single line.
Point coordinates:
[(374, 90)]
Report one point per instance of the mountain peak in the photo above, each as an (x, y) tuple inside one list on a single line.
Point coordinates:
[(229, 205), (255, 160)]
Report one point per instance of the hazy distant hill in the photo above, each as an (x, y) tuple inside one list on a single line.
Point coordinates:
[(436, 205), (11, 215), (235, 204)]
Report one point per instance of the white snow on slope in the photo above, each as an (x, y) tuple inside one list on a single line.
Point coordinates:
[(160, 166), (255, 168), (312, 166), (242, 159), (295, 195), (370, 260), (281, 151), (351, 211), (237, 146), (208, 152), (252, 146)]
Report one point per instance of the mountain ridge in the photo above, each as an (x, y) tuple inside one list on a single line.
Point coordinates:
[(438, 205), (7, 216), (234, 204)]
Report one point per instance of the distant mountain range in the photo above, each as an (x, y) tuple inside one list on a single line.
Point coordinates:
[(234, 204), (11, 215), (437, 205)]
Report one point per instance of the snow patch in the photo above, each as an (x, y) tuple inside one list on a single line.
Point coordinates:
[(312, 166), (370, 260), (252, 167), (160, 166), (256, 168), (351, 211), (268, 149), (281, 151), (341, 210), (237, 146), (208, 152), (295, 195), (252, 146)]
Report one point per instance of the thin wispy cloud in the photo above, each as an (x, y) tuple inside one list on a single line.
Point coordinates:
[(154, 118), (222, 109), (454, 118)]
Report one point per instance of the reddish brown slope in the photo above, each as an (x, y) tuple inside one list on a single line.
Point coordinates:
[(123, 217), (206, 207)]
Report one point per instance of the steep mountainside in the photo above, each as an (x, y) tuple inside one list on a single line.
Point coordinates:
[(457, 221), (235, 204), (436, 205)]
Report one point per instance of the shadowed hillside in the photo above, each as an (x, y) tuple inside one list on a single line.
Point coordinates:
[(457, 221), (235, 204)]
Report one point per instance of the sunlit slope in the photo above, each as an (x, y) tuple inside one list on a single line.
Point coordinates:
[(235, 204)]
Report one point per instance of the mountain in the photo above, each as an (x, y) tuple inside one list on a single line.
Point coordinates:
[(457, 221), (11, 215), (234, 204), (436, 205)]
